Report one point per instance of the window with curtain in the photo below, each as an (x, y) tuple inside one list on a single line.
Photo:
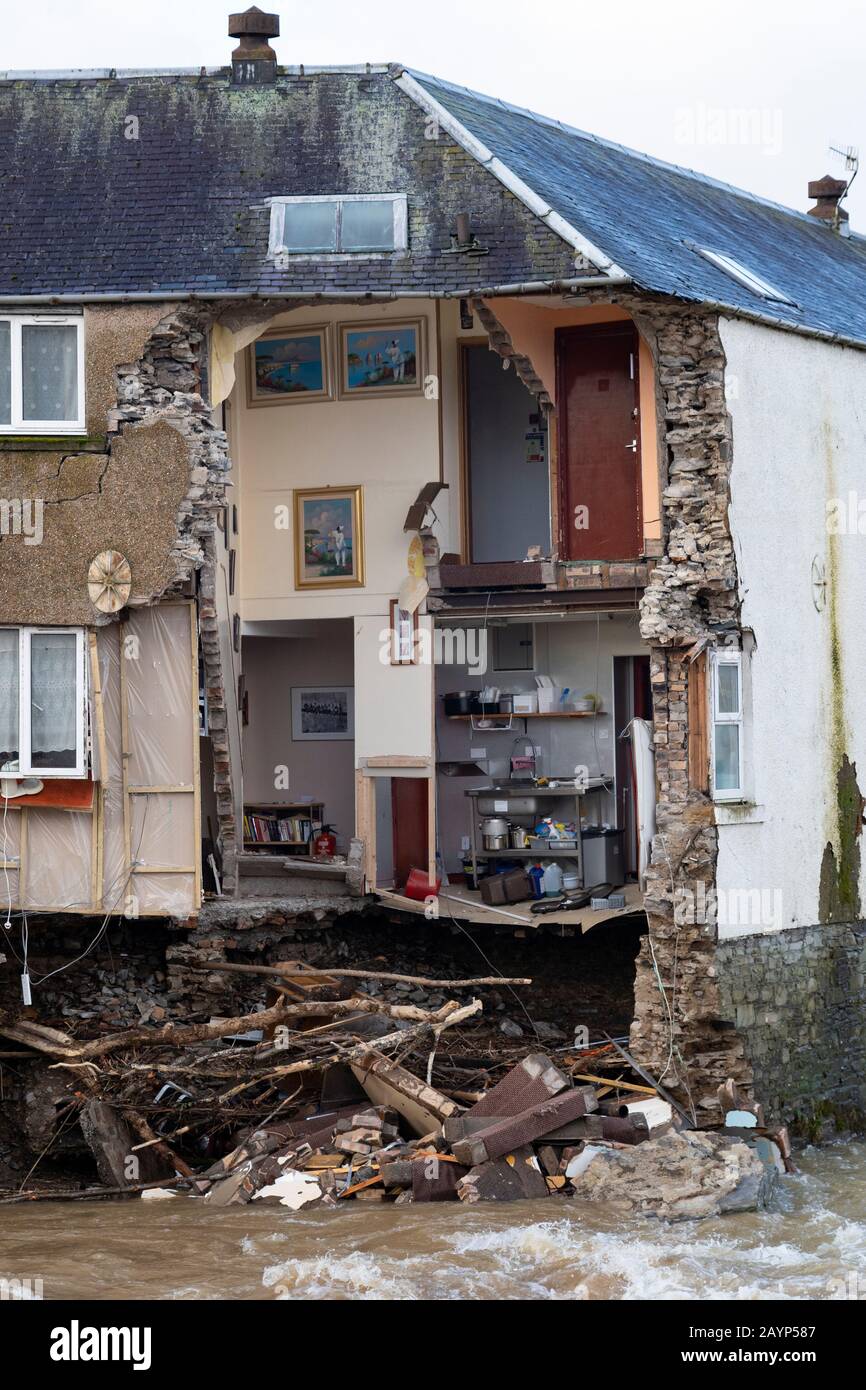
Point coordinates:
[(41, 374), (42, 701), (8, 697)]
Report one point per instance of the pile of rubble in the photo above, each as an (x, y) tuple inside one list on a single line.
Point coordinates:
[(306, 1104), (533, 1135)]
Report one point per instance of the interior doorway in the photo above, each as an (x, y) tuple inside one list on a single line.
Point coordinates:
[(506, 465), (599, 442)]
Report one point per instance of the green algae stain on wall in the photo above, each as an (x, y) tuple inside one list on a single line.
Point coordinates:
[(839, 886)]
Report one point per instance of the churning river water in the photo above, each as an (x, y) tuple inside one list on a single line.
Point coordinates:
[(811, 1245)]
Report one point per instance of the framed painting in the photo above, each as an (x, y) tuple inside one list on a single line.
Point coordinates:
[(323, 712), (286, 366), (381, 359), (329, 538)]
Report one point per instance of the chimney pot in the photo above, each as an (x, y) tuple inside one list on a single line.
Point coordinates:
[(827, 191), (254, 60)]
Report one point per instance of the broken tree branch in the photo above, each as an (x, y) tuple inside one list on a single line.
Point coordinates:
[(219, 967)]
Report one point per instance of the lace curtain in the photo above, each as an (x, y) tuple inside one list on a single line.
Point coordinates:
[(8, 696), (5, 374), (49, 371), (52, 699)]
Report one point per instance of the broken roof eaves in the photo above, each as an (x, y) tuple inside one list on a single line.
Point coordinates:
[(587, 250)]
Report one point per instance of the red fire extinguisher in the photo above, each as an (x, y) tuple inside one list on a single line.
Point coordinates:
[(325, 843)]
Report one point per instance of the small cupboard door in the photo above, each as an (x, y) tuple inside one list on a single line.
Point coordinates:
[(599, 442)]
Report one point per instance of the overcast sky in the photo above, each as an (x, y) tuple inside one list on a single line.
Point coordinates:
[(751, 91)]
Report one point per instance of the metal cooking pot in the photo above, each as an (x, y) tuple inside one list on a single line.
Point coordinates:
[(518, 838), (494, 832)]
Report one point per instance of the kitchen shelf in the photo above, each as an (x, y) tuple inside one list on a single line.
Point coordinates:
[(509, 714), (573, 853)]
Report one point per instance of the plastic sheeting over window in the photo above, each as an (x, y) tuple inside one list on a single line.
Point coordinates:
[(137, 853)]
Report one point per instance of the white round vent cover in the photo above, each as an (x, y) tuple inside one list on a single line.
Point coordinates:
[(109, 580)]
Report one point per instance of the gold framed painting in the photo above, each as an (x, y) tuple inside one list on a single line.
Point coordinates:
[(287, 365), (329, 538), (381, 359)]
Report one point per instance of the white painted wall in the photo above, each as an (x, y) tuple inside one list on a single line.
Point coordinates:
[(799, 439), (388, 445)]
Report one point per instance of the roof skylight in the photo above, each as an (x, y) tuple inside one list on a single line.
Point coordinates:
[(743, 276)]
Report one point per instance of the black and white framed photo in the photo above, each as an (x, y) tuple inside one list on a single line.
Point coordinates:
[(323, 712)]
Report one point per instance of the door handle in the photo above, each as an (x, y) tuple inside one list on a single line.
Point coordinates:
[(632, 446)]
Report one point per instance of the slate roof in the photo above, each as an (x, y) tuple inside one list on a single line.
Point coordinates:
[(182, 209), (645, 214)]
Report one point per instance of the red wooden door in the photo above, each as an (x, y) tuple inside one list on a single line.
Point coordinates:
[(599, 442), (409, 811)]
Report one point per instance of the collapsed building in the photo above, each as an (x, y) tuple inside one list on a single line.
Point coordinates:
[(605, 550)]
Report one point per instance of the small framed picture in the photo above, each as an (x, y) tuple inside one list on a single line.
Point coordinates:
[(329, 538), (404, 635), (381, 359), (323, 712), (285, 366)]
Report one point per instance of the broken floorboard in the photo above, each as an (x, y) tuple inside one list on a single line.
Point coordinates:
[(456, 900)]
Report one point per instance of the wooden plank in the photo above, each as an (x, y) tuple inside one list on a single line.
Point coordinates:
[(163, 869), (124, 764), (22, 857), (698, 744), (97, 886), (615, 1085), (396, 760), (196, 769), (164, 787)]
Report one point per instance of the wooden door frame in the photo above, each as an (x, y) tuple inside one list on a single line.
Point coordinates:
[(617, 328)]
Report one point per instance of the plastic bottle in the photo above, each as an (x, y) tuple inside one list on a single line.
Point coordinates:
[(552, 880), (536, 878)]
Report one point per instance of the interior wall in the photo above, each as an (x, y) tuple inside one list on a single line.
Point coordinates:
[(577, 654), (318, 768), (509, 499), (532, 329), (389, 445)]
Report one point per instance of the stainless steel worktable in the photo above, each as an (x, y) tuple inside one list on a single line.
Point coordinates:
[(515, 792)]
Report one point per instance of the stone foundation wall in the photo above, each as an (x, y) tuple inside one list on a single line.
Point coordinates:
[(798, 999)]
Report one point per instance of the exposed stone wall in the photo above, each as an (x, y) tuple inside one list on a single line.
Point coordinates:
[(680, 1025), (799, 1000), (680, 1029), (166, 384)]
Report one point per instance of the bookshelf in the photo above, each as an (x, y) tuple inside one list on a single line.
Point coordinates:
[(289, 826)]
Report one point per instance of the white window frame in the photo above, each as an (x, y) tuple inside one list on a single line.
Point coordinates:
[(25, 752), (744, 276), (17, 423), (277, 240), (718, 658)]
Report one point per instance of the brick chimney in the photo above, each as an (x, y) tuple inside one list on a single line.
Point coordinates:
[(254, 61), (828, 191)]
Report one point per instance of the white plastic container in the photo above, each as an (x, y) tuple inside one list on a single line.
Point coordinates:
[(525, 702), (552, 880)]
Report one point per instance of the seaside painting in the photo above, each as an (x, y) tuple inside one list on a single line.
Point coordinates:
[(329, 540), (381, 359), (290, 367)]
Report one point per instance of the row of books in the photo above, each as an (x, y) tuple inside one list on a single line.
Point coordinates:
[(263, 829)]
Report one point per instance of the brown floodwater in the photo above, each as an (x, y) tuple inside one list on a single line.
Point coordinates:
[(810, 1245)]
